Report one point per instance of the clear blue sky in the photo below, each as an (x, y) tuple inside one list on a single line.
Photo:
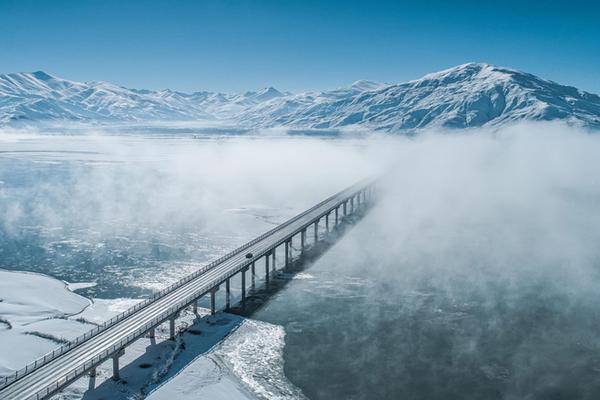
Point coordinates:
[(303, 45)]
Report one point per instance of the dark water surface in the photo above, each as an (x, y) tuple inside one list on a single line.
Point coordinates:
[(358, 330)]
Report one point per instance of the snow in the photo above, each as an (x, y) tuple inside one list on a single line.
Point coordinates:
[(219, 357), (34, 311), (203, 379), (469, 95), (160, 368)]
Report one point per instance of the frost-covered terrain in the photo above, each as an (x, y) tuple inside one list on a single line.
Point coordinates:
[(469, 95), (224, 357), (34, 317)]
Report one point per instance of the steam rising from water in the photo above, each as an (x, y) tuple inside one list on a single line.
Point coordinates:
[(475, 276), (137, 212)]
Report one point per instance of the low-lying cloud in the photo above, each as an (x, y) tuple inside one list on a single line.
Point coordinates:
[(489, 236)]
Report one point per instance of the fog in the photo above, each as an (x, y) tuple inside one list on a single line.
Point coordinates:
[(476, 275), (147, 209), (479, 261)]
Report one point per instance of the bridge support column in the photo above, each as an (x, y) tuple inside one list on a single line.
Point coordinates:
[(253, 272), (267, 268), (213, 302), (195, 307), (227, 294), (345, 207), (302, 239), (172, 327), (274, 253), (115, 359), (316, 231), (93, 372), (152, 333), (327, 223), (336, 214), (287, 254), (244, 286), (352, 205)]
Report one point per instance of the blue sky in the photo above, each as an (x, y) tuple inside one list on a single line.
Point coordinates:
[(296, 46)]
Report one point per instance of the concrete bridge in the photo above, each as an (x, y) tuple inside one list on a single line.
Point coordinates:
[(56, 370)]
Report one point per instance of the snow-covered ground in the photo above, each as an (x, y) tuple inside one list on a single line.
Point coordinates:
[(34, 317), (218, 357)]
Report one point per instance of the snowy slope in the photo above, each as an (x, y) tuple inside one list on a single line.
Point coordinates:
[(465, 96), (38, 96), (469, 95)]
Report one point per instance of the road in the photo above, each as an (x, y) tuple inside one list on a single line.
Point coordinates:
[(74, 363)]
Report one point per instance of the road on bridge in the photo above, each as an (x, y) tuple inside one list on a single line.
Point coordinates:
[(53, 375)]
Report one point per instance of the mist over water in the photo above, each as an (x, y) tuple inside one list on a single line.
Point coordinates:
[(474, 276), (134, 213)]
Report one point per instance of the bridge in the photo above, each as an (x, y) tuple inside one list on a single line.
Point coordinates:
[(61, 367)]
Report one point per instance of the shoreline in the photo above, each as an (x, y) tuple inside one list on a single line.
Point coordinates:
[(212, 356)]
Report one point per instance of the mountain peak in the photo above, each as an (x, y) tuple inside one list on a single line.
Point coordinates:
[(267, 93), (270, 90), (467, 73)]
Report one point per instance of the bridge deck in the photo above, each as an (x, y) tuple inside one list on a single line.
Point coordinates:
[(60, 371)]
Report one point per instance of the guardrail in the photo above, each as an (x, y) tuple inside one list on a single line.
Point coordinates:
[(352, 190)]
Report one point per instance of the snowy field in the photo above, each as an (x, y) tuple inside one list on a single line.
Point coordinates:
[(219, 357)]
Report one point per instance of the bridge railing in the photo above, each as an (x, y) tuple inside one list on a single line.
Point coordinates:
[(350, 191)]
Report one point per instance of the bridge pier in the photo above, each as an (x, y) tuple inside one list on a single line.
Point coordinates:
[(244, 286), (267, 268), (336, 215), (152, 333), (227, 294), (274, 253), (172, 327), (115, 359), (287, 254), (345, 207), (302, 239), (316, 231), (327, 222), (213, 305), (253, 272), (352, 205), (93, 372)]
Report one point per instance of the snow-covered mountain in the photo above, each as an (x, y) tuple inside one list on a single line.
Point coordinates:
[(465, 96), (469, 95)]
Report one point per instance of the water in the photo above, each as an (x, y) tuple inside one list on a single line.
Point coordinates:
[(126, 255), (134, 213), (451, 289), (355, 332)]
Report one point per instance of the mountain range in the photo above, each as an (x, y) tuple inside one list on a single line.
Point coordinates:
[(469, 95)]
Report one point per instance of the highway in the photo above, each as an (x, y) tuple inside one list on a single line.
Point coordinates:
[(55, 374)]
